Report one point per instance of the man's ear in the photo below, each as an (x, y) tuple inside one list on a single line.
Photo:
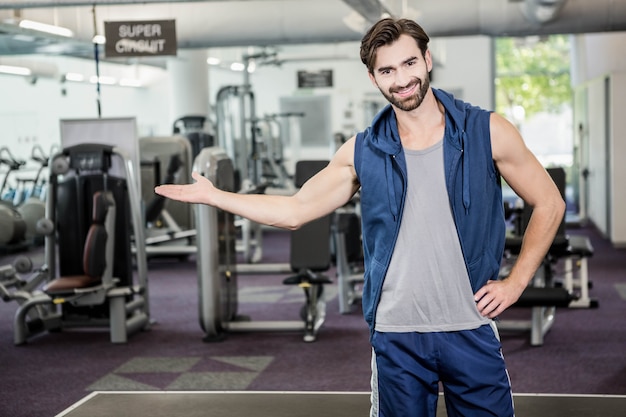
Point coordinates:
[(429, 60), (372, 79)]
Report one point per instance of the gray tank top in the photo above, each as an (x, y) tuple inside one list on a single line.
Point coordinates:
[(427, 288)]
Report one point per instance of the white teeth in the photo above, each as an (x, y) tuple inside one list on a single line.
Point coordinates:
[(406, 90)]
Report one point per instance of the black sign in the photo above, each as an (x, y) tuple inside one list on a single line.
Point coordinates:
[(322, 78), (140, 38)]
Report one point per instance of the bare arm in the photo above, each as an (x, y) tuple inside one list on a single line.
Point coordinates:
[(331, 188), (530, 181)]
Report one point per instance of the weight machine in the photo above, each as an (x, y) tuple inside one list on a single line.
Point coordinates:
[(88, 211)]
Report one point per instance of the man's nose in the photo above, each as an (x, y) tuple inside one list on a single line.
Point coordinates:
[(403, 77)]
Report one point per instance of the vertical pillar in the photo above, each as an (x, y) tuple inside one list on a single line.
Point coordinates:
[(189, 84)]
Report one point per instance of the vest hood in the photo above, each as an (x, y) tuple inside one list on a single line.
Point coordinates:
[(385, 137)]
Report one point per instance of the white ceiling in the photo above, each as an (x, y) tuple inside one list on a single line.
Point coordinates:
[(207, 24)]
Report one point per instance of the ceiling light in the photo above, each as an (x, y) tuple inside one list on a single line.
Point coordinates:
[(99, 39), (44, 27), (102, 79), (73, 76), (213, 60), (9, 69), (237, 66)]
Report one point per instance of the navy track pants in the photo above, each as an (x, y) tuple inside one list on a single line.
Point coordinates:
[(408, 367)]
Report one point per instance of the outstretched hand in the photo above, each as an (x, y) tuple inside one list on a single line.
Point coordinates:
[(198, 192), (496, 296)]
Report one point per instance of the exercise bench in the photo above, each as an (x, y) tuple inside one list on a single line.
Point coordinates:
[(578, 251)]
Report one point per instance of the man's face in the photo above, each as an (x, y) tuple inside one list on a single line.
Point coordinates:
[(401, 73)]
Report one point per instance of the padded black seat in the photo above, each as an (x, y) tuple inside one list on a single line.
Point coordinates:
[(94, 253), (580, 246), (544, 297)]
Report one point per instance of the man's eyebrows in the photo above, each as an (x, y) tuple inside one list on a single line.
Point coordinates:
[(390, 67)]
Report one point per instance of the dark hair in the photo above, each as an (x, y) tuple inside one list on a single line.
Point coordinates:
[(387, 31)]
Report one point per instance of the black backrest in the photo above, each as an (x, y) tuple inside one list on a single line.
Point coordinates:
[(558, 176), (560, 240), (199, 141), (94, 259), (349, 224), (310, 245), (74, 216), (306, 169)]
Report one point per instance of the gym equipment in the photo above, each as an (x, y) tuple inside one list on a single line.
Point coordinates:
[(543, 295), (310, 256), (33, 207), (543, 298), (273, 132), (27, 198), (170, 228), (236, 126), (578, 251), (256, 154), (97, 290), (217, 269), (12, 228), (348, 257), (12, 224), (13, 164), (235, 110), (15, 287), (193, 128), (97, 269), (170, 225), (155, 207)]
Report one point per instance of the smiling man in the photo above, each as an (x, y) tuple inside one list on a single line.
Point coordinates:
[(429, 171)]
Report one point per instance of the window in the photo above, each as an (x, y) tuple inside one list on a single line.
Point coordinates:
[(533, 91)]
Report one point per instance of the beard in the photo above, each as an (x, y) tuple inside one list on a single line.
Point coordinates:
[(412, 102)]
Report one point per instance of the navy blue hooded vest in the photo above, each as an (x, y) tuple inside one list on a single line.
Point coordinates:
[(473, 185)]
